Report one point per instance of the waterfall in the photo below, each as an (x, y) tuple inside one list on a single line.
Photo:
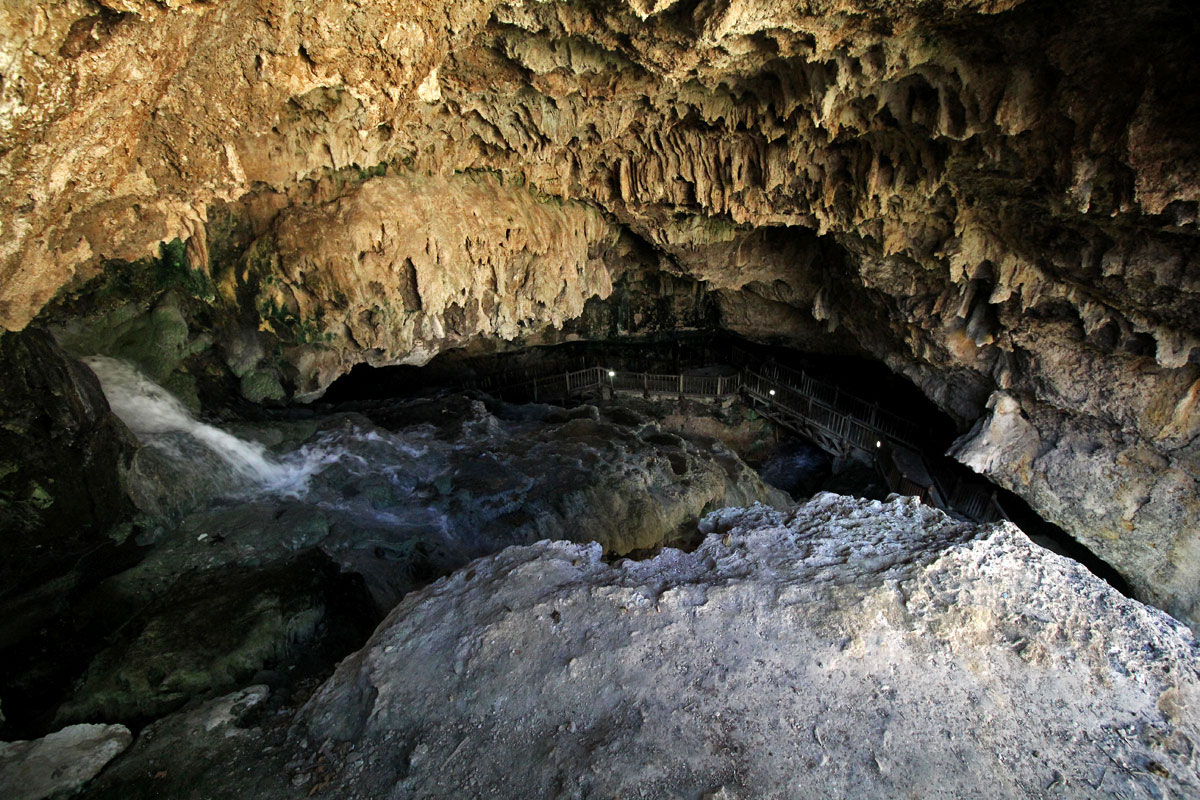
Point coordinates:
[(159, 419)]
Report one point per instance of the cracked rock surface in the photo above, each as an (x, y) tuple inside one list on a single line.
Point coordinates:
[(838, 648)]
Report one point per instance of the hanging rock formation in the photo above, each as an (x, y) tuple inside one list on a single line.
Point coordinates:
[(996, 198)]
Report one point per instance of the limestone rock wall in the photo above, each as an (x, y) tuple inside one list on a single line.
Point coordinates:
[(404, 266), (988, 195)]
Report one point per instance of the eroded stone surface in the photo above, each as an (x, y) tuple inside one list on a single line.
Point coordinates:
[(1006, 193), (843, 647), (58, 764)]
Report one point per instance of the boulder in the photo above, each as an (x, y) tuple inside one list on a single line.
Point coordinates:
[(843, 648), (62, 453), (59, 764)]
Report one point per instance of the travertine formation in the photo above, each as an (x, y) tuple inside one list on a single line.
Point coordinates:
[(403, 266), (997, 198)]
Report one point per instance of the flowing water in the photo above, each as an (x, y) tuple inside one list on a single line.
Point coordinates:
[(160, 420), (356, 489)]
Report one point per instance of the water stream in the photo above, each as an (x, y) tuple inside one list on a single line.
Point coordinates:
[(161, 421), (376, 500)]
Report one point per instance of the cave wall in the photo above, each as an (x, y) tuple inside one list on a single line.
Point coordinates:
[(996, 198), (64, 455)]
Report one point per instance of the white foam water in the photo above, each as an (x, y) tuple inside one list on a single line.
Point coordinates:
[(155, 416)]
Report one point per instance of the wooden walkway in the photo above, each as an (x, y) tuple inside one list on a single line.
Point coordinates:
[(837, 421)]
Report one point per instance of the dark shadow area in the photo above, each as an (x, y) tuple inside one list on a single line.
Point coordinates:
[(48, 637), (1055, 539), (797, 467), (794, 464), (688, 353), (94, 629)]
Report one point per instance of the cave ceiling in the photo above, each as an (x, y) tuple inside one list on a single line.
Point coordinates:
[(998, 199)]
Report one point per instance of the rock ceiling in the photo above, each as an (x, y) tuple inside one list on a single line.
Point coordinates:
[(996, 198)]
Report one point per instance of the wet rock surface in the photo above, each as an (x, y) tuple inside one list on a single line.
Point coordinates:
[(403, 492), (229, 582), (213, 631), (62, 454)]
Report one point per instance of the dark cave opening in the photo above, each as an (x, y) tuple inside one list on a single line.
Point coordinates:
[(671, 354), (792, 463)]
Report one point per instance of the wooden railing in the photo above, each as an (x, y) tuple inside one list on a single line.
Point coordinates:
[(549, 387), (681, 385), (883, 422), (779, 399), (835, 420), (976, 502), (546, 387)]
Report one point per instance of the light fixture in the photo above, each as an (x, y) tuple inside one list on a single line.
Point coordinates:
[(771, 392), (878, 443), (612, 373)]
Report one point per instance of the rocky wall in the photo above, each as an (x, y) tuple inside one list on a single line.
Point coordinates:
[(996, 198)]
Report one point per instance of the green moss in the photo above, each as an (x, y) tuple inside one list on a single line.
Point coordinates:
[(122, 282), (230, 234), (136, 310), (377, 171), (260, 385), (120, 533), (354, 175), (184, 387), (290, 327), (39, 498)]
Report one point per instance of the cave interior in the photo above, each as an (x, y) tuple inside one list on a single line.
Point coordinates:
[(309, 316)]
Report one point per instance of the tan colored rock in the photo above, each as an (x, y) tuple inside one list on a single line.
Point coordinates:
[(406, 266), (1006, 194)]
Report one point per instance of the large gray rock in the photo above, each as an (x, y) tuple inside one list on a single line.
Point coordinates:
[(60, 763), (1130, 503), (845, 648)]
